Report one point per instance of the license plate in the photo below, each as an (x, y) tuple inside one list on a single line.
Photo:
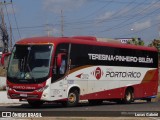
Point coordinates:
[(23, 95)]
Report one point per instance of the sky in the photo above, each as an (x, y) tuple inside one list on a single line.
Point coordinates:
[(99, 18)]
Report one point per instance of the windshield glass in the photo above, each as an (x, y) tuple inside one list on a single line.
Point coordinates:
[(30, 62), (1, 49)]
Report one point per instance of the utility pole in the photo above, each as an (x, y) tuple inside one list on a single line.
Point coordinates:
[(62, 22), (3, 32), (3, 29)]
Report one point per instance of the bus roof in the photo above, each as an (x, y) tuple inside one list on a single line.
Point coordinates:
[(89, 40)]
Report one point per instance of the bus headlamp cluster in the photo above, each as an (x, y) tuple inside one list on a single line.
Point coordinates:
[(42, 89)]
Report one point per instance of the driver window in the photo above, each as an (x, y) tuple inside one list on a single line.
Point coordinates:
[(59, 71), (62, 68)]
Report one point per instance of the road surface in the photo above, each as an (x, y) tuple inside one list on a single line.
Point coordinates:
[(84, 109)]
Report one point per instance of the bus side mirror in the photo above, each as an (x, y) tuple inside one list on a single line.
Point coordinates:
[(4, 58), (60, 58)]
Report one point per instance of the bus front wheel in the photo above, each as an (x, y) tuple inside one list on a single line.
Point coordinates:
[(73, 99)]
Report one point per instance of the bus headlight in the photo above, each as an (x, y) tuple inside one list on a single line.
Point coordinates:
[(42, 89)]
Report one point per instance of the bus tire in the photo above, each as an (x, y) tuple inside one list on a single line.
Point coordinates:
[(73, 99), (35, 103), (128, 97), (95, 102), (149, 99), (119, 101)]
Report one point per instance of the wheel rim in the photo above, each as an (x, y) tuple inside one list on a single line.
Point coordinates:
[(128, 96), (72, 98)]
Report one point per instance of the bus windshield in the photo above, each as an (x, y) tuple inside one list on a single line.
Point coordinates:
[(30, 62)]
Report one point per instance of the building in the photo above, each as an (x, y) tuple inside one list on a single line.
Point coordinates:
[(125, 40)]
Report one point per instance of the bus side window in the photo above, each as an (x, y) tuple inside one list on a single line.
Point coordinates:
[(61, 63)]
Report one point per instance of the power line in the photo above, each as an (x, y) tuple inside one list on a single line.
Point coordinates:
[(98, 21), (16, 20), (128, 12), (11, 35), (117, 18), (32, 27), (86, 21), (141, 29), (121, 24), (121, 2), (109, 19), (116, 13), (29, 27), (96, 11), (62, 24)]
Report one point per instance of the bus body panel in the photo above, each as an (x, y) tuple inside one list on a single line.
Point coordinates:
[(109, 86), (101, 70)]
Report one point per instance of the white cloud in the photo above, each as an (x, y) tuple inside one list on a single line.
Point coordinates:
[(106, 15), (57, 5), (141, 25), (111, 14), (158, 17)]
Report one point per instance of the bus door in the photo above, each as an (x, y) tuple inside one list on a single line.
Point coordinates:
[(60, 69)]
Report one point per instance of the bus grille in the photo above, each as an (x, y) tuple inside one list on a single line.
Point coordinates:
[(28, 96), (28, 90)]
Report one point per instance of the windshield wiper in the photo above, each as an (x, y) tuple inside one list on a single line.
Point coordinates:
[(30, 72), (27, 65)]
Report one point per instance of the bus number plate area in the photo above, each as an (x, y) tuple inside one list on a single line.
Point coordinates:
[(23, 95)]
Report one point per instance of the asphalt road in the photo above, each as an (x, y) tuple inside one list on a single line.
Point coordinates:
[(107, 109)]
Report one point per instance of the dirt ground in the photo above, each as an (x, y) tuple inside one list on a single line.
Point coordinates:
[(2, 71)]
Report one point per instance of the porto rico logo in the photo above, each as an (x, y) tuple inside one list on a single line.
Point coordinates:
[(98, 73)]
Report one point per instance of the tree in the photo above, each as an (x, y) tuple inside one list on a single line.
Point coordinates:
[(136, 41), (155, 43)]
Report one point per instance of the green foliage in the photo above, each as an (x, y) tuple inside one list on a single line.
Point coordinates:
[(136, 41), (155, 43)]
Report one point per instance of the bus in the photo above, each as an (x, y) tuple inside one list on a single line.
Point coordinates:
[(71, 69)]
